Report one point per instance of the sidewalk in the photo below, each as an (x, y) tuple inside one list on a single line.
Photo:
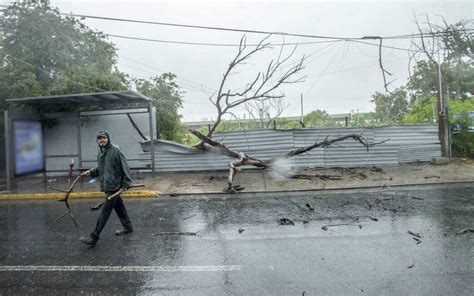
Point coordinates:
[(252, 180)]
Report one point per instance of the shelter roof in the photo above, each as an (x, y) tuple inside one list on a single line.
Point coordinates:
[(115, 98)]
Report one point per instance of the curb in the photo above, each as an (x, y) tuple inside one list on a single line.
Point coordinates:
[(77, 195), (153, 194), (173, 194)]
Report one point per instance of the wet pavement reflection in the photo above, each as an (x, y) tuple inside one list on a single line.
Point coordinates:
[(390, 241)]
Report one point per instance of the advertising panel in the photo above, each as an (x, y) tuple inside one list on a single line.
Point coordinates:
[(28, 147), (456, 125), (470, 121)]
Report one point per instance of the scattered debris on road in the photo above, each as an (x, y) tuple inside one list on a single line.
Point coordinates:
[(415, 236), (174, 233), (233, 189), (377, 169), (431, 176), (462, 195), (321, 177), (411, 265), (326, 227), (383, 179), (353, 172), (241, 230), (466, 230), (285, 221), (189, 217), (310, 207)]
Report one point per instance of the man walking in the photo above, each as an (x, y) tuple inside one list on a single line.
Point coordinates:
[(114, 174)]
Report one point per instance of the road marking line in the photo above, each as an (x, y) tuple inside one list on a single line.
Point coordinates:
[(120, 268)]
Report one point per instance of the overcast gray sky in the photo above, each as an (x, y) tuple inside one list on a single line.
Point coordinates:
[(341, 76)]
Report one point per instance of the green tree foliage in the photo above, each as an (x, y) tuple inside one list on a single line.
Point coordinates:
[(365, 119), (422, 111), (462, 142), (43, 53), (458, 80), (455, 47), (285, 123), (166, 96), (390, 108), (318, 118)]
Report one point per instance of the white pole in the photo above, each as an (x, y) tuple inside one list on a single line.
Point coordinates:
[(302, 117)]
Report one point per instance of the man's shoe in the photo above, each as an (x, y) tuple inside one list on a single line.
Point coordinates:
[(88, 241), (124, 231)]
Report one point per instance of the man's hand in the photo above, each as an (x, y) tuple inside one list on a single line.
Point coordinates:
[(86, 173)]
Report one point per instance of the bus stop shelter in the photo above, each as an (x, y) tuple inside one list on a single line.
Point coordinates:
[(33, 110)]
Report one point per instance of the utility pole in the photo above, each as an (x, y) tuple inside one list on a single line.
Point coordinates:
[(442, 116)]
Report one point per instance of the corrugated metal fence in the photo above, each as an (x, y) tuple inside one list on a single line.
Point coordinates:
[(406, 144)]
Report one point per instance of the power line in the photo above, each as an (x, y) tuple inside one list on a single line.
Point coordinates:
[(427, 34), (188, 86), (237, 45), (327, 66), (354, 68), (405, 36), (197, 85), (206, 27), (212, 44), (383, 46)]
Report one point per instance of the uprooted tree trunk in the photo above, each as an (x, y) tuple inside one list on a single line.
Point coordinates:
[(209, 145)]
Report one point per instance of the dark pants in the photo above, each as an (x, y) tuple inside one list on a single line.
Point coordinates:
[(117, 204)]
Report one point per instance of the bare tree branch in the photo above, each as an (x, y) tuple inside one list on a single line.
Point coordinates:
[(423, 43), (261, 87), (135, 126)]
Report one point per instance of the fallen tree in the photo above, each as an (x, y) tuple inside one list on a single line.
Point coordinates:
[(209, 145)]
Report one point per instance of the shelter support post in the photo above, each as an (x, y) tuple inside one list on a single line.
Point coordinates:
[(152, 138), (7, 151), (79, 144)]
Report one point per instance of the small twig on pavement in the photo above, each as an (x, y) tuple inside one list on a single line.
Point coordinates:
[(429, 177), (189, 217), (462, 195), (285, 221), (466, 230), (325, 227), (414, 234), (174, 233)]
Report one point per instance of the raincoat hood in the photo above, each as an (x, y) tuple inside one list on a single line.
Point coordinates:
[(104, 133)]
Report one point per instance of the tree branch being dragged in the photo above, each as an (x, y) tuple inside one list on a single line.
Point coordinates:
[(209, 145)]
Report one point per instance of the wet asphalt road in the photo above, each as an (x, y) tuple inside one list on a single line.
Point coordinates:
[(342, 243)]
